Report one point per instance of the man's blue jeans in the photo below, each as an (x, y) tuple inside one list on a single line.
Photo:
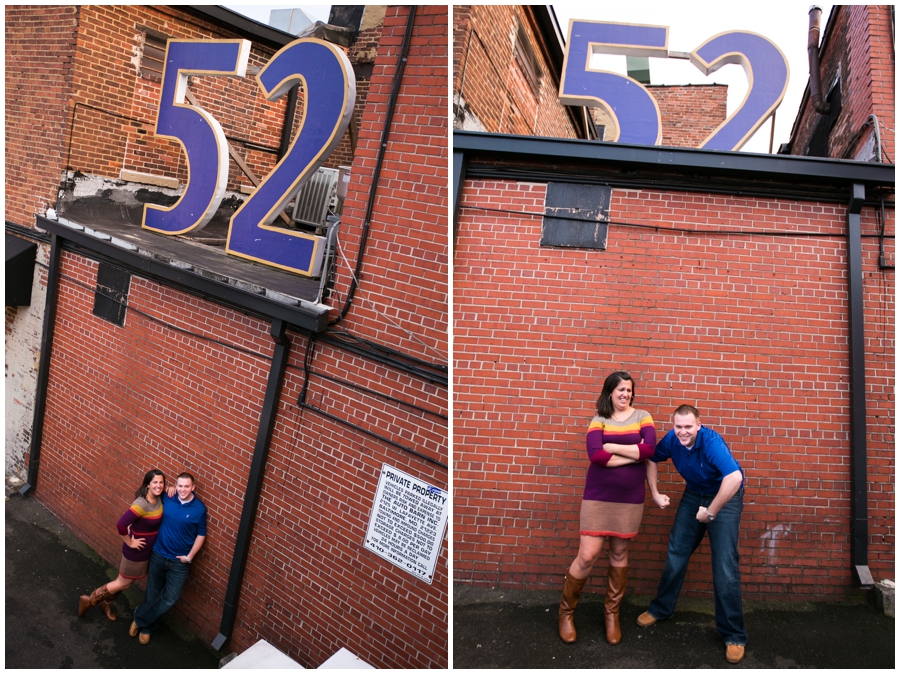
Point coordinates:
[(165, 580), (684, 538)]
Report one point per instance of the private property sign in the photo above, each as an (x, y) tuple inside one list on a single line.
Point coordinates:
[(408, 521)]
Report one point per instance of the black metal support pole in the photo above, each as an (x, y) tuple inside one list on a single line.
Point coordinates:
[(254, 482), (40, 398), (858, 500), (459, 175)]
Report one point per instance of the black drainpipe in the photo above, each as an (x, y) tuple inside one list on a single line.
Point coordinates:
[(254, 482), (859, 526), (40, 398)]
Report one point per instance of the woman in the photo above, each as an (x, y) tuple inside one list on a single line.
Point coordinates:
[(619, 440), (138, 528)]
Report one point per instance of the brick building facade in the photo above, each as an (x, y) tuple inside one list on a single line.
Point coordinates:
[(286, 422), (857, 79), (753, 287)]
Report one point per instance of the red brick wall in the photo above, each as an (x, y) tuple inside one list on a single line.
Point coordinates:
[(690, 113), (751, 329), (402, 298), (40, 54), (362, 55), (492, 84), (123, 400), (859, 48), (107, 78)]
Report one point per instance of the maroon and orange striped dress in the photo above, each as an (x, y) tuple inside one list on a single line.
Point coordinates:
[(144, 519), (613, 502)]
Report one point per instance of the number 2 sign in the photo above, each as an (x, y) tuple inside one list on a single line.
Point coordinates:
[(329, 86), (632, 106)]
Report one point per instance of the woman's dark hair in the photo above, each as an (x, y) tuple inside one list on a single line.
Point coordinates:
[(148, 478), (604, 402)]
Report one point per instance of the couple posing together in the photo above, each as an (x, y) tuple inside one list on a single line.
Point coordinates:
[(161, 533), (622, 447)]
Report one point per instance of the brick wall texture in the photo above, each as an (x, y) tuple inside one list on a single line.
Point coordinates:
[(858, 51), (402, 298), (40, 58), (103, 111), (751, 329), (489, 84), (181, 385), (690, 113)]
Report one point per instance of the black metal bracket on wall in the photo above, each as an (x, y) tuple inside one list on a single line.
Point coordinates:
[(859, 518), (459, 175), (40, 398), (254, 481)]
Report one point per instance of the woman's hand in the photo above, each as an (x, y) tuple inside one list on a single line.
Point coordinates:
[(137, 543), (661, 500), (171, 491)]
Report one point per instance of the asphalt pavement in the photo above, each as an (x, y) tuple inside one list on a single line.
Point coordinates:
[(495, 628), (47, 568)]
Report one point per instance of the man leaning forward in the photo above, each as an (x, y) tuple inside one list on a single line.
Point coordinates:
[(712, 502)]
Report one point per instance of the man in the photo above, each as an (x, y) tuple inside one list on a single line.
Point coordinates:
[(712, 501), (180, 538)]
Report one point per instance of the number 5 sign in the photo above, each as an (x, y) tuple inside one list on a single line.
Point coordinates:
[(329, 86), (633, 107)]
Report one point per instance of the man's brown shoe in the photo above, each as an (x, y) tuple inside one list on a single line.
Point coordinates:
[(645, 619), (133, 630), (144, 639), (734, 653)]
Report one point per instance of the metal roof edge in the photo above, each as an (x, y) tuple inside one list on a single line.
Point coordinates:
[(303, 315), (735, 164), (242, 24)]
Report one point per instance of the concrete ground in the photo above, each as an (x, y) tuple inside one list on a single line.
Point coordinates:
[(518, 628), (47, 568)]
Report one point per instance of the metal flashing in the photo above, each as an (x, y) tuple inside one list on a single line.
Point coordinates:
[(734, 165), (193, 278)]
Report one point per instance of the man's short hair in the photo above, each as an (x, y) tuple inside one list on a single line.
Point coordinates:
[(188, 476), (681, 411)]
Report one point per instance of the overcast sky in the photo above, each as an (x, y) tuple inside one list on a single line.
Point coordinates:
[(690, 24), (261, 12)]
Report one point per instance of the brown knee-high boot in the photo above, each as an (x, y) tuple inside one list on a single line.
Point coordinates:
[(570, 595), (107, 605), (615, 589), (85, 602)]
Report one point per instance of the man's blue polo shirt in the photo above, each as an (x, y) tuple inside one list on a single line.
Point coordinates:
[(704, 465), (181, 524)]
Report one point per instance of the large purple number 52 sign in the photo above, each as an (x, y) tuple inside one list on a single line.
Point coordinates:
[(633, 107), (329, 88)]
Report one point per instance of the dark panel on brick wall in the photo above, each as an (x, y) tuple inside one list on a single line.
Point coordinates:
[(576, 216), (112, 293)]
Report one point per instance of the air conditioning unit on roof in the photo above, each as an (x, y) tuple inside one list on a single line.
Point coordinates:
[(312, 201)]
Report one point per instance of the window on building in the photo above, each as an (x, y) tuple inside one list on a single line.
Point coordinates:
[(528, 62), (154, 54)]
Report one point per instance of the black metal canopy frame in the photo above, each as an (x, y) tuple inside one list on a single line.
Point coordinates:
[(777, 176)]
